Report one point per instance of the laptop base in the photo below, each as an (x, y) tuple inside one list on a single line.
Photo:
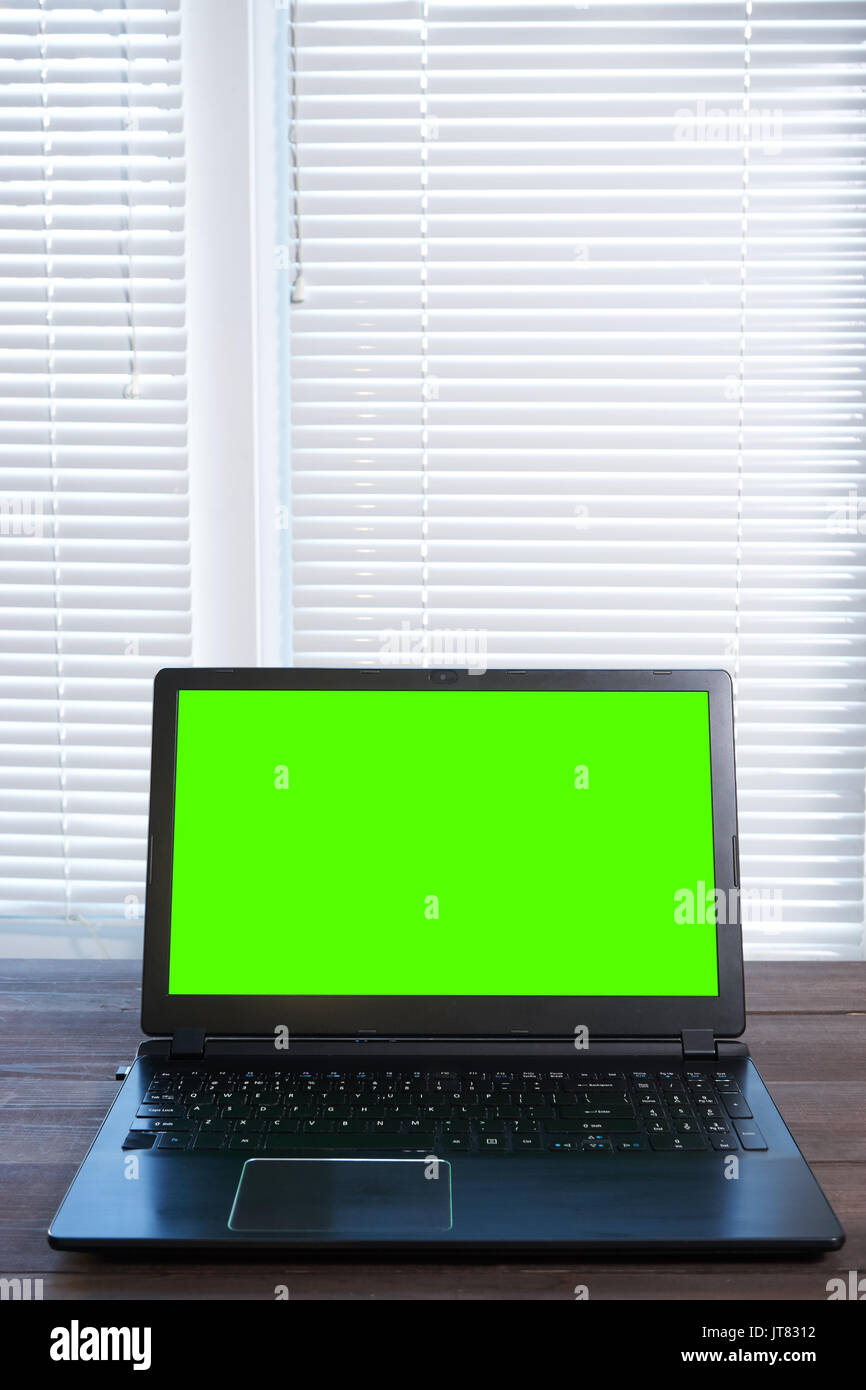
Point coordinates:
[(572, 1198)]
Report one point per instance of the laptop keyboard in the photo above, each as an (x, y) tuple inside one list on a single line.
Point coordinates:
[(443, 1112)]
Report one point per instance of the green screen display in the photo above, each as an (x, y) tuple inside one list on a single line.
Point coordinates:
[(451, 843)]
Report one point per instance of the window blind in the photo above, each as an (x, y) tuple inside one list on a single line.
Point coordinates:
[(93, 488), (576, 353)]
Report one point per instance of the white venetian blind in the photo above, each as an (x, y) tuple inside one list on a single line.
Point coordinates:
[(93, 530), (577, 356)]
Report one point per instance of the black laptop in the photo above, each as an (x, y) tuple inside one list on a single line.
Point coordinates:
[(441, 959)]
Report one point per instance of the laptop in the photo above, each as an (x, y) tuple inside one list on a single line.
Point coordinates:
[(444, 960)]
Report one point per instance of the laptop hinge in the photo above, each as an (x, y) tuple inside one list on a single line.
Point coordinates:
[(698, 1042), (187, 1042)]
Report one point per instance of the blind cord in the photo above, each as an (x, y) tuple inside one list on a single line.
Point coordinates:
[(299, 288), (132, 389), (425, 342)]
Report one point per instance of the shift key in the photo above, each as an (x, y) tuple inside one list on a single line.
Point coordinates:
[(147, 1126), (601, 1123)]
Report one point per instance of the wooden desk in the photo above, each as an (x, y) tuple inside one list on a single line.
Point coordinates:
[(65, 1025)]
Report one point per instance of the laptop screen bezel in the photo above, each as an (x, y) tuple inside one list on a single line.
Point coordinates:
[(436, 1016)]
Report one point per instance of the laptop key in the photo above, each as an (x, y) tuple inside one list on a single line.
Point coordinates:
[(662, 1143), (172, 1143), (701, 1096), (526, 1143), (652, 1110), (149, 1126), (737, 1107), (615, 1111), (612, 1126), (139, 1139), (677, 1143), (211, 1139), (247, 1126), (749, 1135), (244, 1141), (723, 1143), (349, 1143)]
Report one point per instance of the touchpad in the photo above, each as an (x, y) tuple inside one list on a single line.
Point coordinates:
[(377, 1196)]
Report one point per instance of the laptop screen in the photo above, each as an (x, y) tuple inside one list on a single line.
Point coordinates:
[(409, 842)]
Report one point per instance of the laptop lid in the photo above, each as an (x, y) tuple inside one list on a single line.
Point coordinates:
[(439, 853)]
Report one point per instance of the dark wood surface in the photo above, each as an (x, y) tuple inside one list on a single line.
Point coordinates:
[(65, 1025)]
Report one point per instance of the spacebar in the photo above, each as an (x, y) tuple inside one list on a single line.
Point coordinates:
[(384, 1143)]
